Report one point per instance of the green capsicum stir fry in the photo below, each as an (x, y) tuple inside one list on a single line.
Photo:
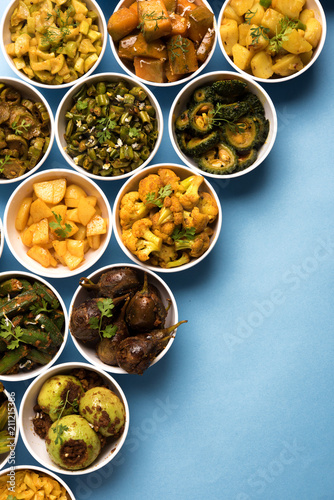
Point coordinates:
[(24, 132), (111, 128)]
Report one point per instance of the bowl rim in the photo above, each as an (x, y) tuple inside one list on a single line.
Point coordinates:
[(182, 81), (37, 468), (52, 173), (112, 76), (147, 171), (24, 77), (251, 83), (64, 368), (18, 377), (9, 457), (38, 96), (2, 238), (283, 78), (116, 369)]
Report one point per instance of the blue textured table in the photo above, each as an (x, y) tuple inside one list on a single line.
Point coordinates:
[(242, 406)]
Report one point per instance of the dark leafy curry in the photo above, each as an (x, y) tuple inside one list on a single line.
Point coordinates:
[(223, 127), (111, 128), (24, 132)]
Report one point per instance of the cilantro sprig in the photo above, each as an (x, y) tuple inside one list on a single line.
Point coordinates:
[(11, 335), (61, 230), (235, 127), (103, 127), (20, 127), (59, 428), (40, 308), (181, 234), (162, 193), (106, 307), (4, 161)]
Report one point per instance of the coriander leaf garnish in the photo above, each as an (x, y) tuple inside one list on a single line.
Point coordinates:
[(133, 132), (249, 15), (103, 126), (162, 193), (59, 430), (282, 34), (61, 230), (106, 307), (11, 335), (19, 128), (257, 32), (152, 16), (183, 234), (38, 308), (3, 162)]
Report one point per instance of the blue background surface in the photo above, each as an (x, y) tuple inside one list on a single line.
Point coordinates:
[(242, 406)]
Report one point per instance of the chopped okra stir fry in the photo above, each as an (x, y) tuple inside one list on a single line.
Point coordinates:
[(31, 325), (111, 128), (24, 132)]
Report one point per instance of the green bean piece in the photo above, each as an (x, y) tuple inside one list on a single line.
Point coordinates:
[(5, 442), (11, 358), (69, 128), (101, 88), (145, 153), (144, 116), (139, 93), (102, 100)]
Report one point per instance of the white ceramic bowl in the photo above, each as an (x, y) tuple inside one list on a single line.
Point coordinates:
[(36, 446), (13, 429), (128, 66), (319, 14), (66, 103), (81, 294), (6, 39), (132, 185), (29, 92), (26, 189), (18, 377), (180, 104), (10, 473), (2, 238)]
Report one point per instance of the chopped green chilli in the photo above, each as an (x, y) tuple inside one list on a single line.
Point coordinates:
[(111, 128), (223, 127)]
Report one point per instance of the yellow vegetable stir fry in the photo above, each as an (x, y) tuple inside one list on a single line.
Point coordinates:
[(167, 221), (54, 42), (28, 484), (270, 38), (24, 132), (60, 223)]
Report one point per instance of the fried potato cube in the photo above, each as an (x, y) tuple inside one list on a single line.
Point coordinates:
[(39, 210), (81, 233), (41, 234), (86, 210), (72, 261), (94, 241), (242, 56), (241, 6), (97, 225), (60, 247), (262, 65), (75, 247), (229, 34), (50, 191), (73, 194), (27, 234), (42, 255), (23, 213), (72, 214), (295, 43)]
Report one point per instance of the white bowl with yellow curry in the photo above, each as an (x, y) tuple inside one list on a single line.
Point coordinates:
[(271, 40), (53, 44)]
